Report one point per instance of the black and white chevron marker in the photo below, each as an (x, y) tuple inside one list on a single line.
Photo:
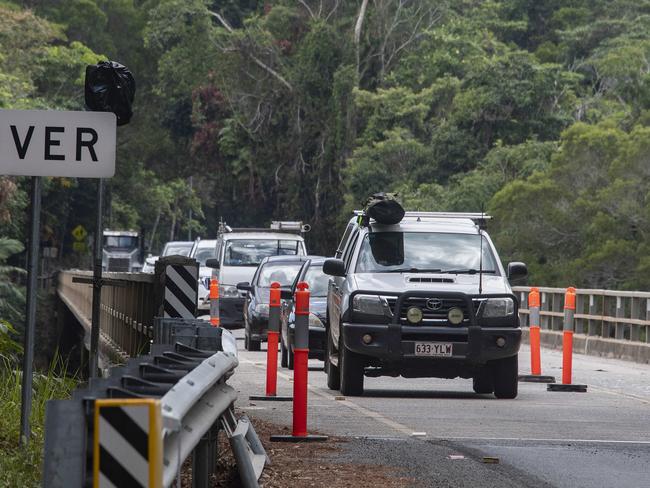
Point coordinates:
[(181, 291), (128, 450)]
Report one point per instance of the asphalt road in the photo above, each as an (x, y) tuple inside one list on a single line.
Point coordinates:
[(439, 430)]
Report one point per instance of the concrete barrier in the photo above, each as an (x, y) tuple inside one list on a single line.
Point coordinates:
[(596, 346)]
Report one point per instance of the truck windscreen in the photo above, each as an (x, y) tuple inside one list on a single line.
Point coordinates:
[(120, 242), (250, 252)]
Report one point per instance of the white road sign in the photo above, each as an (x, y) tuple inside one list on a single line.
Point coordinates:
[(57, 143)]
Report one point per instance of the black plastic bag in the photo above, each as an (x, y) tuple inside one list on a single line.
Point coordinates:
[(110, 87), (384, 209)]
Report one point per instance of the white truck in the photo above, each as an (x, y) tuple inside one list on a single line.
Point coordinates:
[(238, 252), (121, 251)]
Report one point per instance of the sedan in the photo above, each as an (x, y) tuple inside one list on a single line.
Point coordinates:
[(282, 269), (312, 273)]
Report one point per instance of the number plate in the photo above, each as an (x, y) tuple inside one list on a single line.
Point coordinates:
[(441, 349)]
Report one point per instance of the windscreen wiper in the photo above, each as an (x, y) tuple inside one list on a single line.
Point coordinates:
[(467, 271), (414, 270)]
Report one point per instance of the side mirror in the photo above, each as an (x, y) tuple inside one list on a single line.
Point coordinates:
[(286, 295), (244, 285), (213, 263), (334, 267), (517, 271)]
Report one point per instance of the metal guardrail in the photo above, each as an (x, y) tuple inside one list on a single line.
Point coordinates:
[(127, 308), (194, 403), (623, 315)]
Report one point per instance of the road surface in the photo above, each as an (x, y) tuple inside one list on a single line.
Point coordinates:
[(438, 431)]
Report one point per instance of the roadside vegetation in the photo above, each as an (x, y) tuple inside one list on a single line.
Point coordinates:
[(536, 110), (22, 466)]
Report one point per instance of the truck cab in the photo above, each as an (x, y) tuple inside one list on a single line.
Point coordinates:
[(121, 251), (425, 297)]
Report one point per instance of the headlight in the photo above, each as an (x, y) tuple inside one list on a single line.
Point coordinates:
[(227, 291), (414, 315), (262, 309), (370, 305), (498, 307), (314, 321), (455, 315)]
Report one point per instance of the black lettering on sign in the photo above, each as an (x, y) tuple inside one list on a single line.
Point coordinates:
[(21, 147), (89, 144), (52, 142)]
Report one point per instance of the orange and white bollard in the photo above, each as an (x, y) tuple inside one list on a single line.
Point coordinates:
[(300, 371), (535, 341), (275, 301), (567, 346), (214, 302)]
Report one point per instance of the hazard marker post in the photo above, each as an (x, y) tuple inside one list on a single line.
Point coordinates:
[(215, 321), (275, 296), (567, 346), (300, 371), (127, 444), (535, 342)]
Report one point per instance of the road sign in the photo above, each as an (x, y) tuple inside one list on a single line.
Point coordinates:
[(79, 233), (79, 246), (57, 143)]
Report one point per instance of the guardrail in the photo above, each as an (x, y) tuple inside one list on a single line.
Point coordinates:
[(607, 314), (184, 401), (127, 307)]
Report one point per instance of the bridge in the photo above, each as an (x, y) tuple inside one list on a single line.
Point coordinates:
[(432, 432)]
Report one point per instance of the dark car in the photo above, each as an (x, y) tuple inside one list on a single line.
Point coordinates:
[(282, 269), (312, 273)]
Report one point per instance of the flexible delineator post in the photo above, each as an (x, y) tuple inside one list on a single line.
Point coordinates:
[(567, 338), (214, 302), (535, 342), (300, 361), (273, 333)]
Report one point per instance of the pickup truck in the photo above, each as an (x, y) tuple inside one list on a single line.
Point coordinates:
[(424, 297)]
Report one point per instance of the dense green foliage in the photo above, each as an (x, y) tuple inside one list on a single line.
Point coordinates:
[(536, 110), (22, 466)]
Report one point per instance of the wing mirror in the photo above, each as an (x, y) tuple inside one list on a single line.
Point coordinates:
[(516, 271), (286, 294), (213, 263), (334, 267), (244, 285)]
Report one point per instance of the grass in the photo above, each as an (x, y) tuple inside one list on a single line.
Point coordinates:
[(22, 466)]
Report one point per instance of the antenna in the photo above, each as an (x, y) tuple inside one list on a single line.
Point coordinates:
[(480, 257)]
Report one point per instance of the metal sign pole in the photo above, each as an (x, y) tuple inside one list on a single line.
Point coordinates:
[(97, 282), (32, 272)]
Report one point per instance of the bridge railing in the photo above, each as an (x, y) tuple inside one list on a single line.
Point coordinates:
[(623, 315), (127, 307)]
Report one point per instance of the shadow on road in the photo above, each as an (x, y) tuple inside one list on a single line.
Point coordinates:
[(452, 395)]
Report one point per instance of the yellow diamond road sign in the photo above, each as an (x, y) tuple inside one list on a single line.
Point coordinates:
[(79, 233)]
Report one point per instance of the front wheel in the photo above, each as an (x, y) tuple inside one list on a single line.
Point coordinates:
[(483, 382), (506, 377), (332, 372), (351, 367)]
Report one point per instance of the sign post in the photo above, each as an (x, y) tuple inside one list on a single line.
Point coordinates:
[(50, 143)]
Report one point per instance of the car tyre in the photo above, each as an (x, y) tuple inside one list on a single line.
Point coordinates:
[(483, 381), (283, 354), (254, 345), (351, 368), (332, 372), (506, 377)]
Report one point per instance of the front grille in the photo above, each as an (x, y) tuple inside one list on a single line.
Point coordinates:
[(118, 264), (434, 317)]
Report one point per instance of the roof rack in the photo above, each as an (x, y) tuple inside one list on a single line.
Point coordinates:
[(478, 218), (287, 227)]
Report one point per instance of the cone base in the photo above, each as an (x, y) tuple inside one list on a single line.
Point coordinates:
[(298, 438), (536, 378), (563, 387), (275, 398)]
